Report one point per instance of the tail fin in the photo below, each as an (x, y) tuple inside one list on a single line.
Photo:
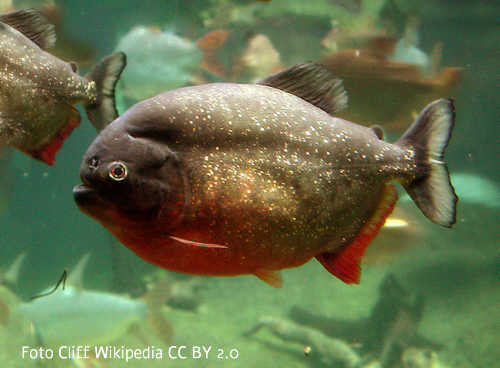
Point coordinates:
[(431, 190), (105, 74)]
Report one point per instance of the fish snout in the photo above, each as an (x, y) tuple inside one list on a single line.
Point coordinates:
[(85, 176), (84, 195), (90, 202)]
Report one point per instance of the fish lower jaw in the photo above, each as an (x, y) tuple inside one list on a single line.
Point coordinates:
[(83, 195)]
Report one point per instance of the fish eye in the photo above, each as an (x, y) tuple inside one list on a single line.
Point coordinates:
[(117, 171)]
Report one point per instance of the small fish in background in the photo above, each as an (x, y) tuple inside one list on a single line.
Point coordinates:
[(382, 338), (85, 317), (209, 44), (38, 90), (228, 179), (260, 58), (330, 352), (389, 80), (159, 60)]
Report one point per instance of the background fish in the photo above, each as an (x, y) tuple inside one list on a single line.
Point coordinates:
[(228, 179), (111, 315), (38, 90), (385, 90), (160, 60)]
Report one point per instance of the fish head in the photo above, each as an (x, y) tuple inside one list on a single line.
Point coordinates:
[(131, 181)]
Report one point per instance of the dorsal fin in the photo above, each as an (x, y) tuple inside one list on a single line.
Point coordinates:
[(32, 24), (75, 278), (313, 83), (12, 273)]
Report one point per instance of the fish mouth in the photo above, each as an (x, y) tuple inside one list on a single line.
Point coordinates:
[(86, 197)]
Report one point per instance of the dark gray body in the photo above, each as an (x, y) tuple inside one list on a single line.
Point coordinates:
[(37, 92), (271, 177)]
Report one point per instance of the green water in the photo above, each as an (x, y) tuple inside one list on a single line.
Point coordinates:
[(455, 271)]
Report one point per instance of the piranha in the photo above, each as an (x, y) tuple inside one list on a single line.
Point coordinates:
[(38, 90), (230, 179)]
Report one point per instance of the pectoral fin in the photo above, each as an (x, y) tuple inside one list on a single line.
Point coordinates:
[(196, 244)]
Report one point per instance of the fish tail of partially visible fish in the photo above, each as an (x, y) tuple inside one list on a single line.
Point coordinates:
[(105, 74), (431, 188)]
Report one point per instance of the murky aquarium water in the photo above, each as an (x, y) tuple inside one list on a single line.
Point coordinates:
[(245, 183)]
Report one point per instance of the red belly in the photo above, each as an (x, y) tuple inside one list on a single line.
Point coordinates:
[(201, 260)]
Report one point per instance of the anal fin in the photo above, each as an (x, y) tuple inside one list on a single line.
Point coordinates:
[(345, 264), (270, 277), (48, 153)]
